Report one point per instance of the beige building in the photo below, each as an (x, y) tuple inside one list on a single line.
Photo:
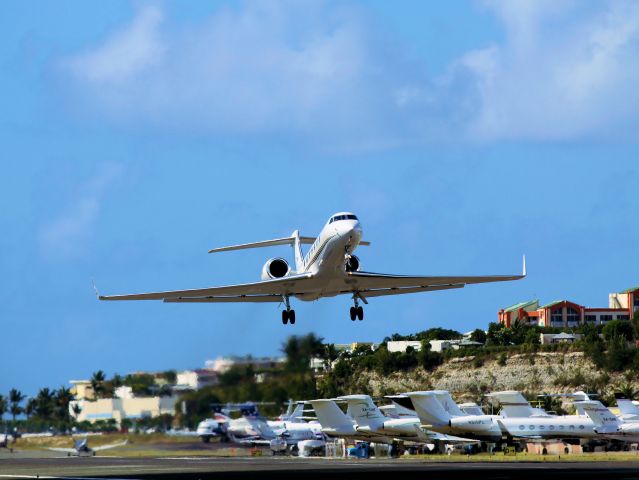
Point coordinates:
[(224, 364), (82, 389), (196, 379), (121, 408), (402, 345)]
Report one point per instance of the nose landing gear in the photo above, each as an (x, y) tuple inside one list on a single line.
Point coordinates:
[(288, 315)]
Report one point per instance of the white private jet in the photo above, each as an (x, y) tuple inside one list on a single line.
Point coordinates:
[(328, 269)]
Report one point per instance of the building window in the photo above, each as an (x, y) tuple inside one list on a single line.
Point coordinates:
[(605, 318), (556, 316), (572, 315), (623, 317), (590, 318)]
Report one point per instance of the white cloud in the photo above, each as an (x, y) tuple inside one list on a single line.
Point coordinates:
[(564, 71), (65, 235), (325, 71), (125, 54)]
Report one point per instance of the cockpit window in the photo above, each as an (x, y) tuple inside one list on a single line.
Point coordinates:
[(342, 217)]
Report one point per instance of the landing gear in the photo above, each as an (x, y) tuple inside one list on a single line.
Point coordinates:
[(357, 312), (288, 315)]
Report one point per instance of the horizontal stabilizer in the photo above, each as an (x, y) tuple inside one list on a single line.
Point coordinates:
[(264, 243), (270, 243)]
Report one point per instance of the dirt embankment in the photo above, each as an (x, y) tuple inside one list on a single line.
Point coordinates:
[(468, 378)]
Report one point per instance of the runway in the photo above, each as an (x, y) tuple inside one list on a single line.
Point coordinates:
[(298, 468)]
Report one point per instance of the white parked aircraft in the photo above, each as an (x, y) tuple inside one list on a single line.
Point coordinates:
[(629, 411), (328, 269), (442, 415), (370, 420), (608, 425), (530, 424), (335, 423)]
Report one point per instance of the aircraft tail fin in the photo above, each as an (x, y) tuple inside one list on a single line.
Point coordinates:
[(446, 400), (513, 404), (296, 413), (627, 407), (363, 409), (428, 408), (297, 246), (604, 420), (330, 416)]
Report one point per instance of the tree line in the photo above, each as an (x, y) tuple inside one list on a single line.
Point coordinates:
[(48, 409)]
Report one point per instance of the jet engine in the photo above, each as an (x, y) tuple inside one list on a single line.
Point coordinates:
[(275, 268), (352, 264)]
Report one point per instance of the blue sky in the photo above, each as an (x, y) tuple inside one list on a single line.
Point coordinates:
[(137, 135)]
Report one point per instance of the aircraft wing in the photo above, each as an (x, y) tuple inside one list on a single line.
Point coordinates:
[(264, 291), (379, 284), (63, 450), (111, 445)]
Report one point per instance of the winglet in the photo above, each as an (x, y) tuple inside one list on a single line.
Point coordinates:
[(524, 268), (97, 294)]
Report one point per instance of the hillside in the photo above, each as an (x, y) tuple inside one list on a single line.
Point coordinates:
[(534, 373)]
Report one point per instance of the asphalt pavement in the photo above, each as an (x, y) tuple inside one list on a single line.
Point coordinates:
[(284, 468)]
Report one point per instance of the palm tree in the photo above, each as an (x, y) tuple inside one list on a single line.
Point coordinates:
[(330, 354), (15, 398), (44, 403), (627, 391), (3, 406), (76, 410), (62, 399), (30, 407), (97, 383)]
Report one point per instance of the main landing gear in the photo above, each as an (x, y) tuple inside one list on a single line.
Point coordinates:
[(357, 312), (288, 315)]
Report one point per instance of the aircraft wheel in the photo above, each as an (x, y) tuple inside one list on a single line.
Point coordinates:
[(353, 313), (284, 317), (360, 313), (291, 317)]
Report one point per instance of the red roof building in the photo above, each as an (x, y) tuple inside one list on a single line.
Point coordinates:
[(564, 313)]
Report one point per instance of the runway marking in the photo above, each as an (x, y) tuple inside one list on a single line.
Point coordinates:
[(65, 477)]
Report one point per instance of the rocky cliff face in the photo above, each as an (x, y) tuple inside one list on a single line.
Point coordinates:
[(468, 378)]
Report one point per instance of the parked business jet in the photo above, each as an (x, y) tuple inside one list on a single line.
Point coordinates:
[(437, 416), (370, 420), (608, 425), (328, 269), (335, 423)]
